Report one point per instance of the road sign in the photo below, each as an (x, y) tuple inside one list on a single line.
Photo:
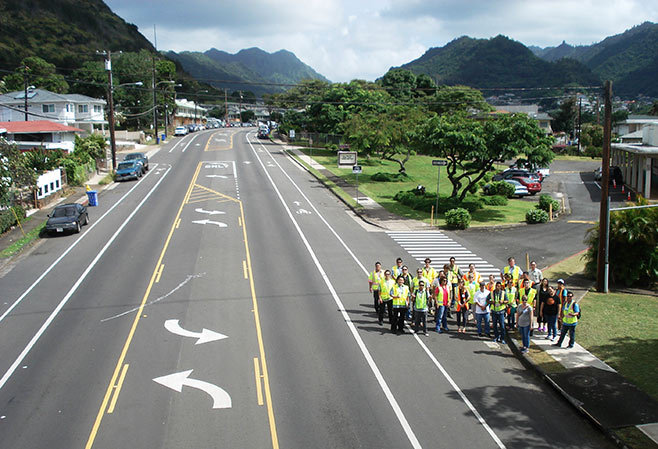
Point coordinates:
[(346, 158), (291, 134), (440, 162), (356, 169)]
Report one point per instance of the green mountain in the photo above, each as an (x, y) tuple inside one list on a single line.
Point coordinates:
[(497, 62), (63, 32), (629, 59), (250, 69)]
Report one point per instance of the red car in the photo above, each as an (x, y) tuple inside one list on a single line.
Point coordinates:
[(532, 186)]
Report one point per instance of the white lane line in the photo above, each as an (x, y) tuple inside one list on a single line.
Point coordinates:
[(73, 289), (355, 333), (70, 248), (353, 329), (188, 143)]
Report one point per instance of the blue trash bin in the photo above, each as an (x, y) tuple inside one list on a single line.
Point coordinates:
[(163, 137), (93, 197)]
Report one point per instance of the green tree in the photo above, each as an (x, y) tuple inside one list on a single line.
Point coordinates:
[(90, 79), (400, 84), (37, 72), (591, 135), (14, 172), (452, 99), (247, 116), (564, 119)]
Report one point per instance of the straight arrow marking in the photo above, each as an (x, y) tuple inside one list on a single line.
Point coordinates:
[(175, 381), (204, 336)]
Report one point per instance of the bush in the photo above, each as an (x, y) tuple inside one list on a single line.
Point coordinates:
[(545, 201), (425, 202), (389, 177), (536, 216), (594, 152), (8, 219), (495, 200), (458, 218), (76, 173), (501, 188)]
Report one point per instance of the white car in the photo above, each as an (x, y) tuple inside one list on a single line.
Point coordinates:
[(180, 131)]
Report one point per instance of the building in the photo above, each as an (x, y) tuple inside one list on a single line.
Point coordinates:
[(79, 111), (532, 110), (40, 134), (639, 162), (188, 112), (633, 124)]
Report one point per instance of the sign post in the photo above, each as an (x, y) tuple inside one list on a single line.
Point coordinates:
[(438, 163), (356, 169)]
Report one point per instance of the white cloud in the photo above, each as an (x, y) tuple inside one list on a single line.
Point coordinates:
[(344, 40)]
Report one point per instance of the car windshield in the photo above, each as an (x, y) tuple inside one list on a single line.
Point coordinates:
[(64, 212), (125, 165), (130, 157)]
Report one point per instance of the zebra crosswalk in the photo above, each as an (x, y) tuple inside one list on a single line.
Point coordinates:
[(439, 247)]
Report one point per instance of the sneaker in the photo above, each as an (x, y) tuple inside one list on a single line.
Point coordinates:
[(426, 334), (570, 346), (555, 344), (502, 342), (524, 350), (548, 337)]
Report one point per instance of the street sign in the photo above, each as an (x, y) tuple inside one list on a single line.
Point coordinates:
[(440, 162), (346, 158), (356, 169), (291, 134)]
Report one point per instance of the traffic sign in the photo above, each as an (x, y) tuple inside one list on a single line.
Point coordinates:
[(356, 169), (440, 162)]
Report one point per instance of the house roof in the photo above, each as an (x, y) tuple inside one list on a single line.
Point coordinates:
[(37, 126), (45, 96)]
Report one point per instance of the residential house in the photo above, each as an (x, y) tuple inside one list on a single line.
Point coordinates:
[(79, 111), (639, 162), (532, 110), (633, 124), (40, 134), (188, 111)]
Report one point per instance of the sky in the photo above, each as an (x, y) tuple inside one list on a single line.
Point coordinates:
[(352, 39)]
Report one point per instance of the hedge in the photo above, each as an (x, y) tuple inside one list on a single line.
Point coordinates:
[(536, 216), (495, 200), (425, 202), (458, 218), (545, 201), (389, 177), (8, 219)]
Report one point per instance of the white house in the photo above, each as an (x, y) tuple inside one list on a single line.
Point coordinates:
[(188, 111), (531, 110), (634, 123), (40, 134), (79, 111)]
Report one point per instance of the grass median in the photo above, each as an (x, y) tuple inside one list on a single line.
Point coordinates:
[(420, 171)]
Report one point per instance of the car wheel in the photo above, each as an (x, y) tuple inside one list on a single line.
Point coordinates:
[(77, 227), (86, 219), (533, 193)]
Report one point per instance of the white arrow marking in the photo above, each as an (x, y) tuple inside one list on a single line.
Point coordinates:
[(209, 212), (247, 162), (206, 221), (216, 165), (216, 176), (175, 381), (205, 336), (296, 203), (303, 211)]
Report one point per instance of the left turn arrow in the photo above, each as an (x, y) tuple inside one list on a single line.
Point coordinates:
[(175, 381)]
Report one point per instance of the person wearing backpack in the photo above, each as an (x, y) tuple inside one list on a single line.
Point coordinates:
[(570, 315)]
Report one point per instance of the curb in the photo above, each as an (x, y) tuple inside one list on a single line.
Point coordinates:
[(576, 404)]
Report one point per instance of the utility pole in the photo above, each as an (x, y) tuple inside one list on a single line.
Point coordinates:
[(604, 213), (580, 107), (110, 101), (240, 110), (155, 105), (25, 69), (225, 106)]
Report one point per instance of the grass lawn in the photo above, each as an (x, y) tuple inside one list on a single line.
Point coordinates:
[(421, 171), (23, 242), (622, 330)]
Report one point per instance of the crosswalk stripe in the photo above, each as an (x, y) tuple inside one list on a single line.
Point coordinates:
[(439, 247)]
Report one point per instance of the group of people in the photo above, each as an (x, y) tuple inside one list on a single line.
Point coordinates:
[(521, 300)]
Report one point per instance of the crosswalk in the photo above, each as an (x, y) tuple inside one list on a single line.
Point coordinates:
[(439, 247)]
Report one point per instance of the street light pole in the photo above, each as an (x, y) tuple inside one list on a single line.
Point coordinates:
[(110, 101)]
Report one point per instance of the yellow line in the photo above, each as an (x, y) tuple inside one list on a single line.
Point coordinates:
[(157, 278), (178, 223), (117, 389), (124, 351), (244, 269), (581, 221), (217, 193), (259, 388), (239, 221), (259, 335)]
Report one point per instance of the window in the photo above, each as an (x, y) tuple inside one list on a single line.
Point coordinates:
[(98, 109), (69, 108), (82, 108), (45, 188), (57, 183), (48, 107)]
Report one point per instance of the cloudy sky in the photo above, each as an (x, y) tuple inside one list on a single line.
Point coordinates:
[(348, 39)]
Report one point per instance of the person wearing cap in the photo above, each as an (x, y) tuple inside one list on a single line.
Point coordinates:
[(561, 290), (407, 278), (385, 297), (481, 301), (498, 303), (374, 280), (513, 269), (400, 300), (420, 302), (524, 319), (570, 314), (397, 268)]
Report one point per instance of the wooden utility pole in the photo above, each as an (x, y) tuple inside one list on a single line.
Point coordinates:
[(604, 214), (110, 101)]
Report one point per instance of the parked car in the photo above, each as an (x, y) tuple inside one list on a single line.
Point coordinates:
[(142, 157), (615, 175), (524, 164), (262, 134), (519, 189), (533, 187), (517, 173), (129, 170), (67, 217), (180, 131)]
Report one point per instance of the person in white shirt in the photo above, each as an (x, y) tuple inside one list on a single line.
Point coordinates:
[(481, 300)]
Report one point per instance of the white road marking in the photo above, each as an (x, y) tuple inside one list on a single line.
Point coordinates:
[(205, 336), (73, 289), (389, 395), (175, 381), (209, 212), (206, 221)]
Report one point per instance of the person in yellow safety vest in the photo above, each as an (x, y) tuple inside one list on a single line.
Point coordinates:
[(491, 285), (522, 279), (461, 306), (420, 303), (570, 314), (397, 268), (472, 287), (531, 293), (455, 268), (511, 294), (400, 298), (513, 270), (385, 300), (415, 287), (453, 282), (429, 273), (471, 269), (498, 301), (374, 279)]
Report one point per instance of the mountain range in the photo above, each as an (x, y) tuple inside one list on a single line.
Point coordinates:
[(251, 69)]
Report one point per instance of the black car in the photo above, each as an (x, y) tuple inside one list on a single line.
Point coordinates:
[(67, 217), (140, 157)]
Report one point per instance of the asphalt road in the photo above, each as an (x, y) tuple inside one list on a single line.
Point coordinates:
[(101, 330)]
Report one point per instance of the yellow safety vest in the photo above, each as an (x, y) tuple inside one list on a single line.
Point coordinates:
[(375, 278), (420, 303), (472, 288), (510, 293), (400, 295), (530, 293), (569, 320), (515, 273), (429, 274), (417, 281), (395, 271), (498, 303), (385, 287)]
